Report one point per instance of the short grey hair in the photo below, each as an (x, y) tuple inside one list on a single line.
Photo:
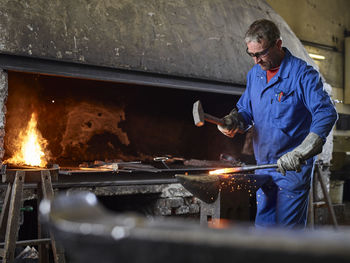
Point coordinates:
[(262, 29)]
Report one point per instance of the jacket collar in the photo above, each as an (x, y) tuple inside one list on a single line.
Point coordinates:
[(285, 65), (284, 68)]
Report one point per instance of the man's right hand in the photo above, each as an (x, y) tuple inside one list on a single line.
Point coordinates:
[(230, 124)]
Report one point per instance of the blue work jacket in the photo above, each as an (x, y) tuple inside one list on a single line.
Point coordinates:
[(283, 111)]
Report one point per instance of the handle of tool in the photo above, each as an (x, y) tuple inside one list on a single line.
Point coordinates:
[(212, 119), (255, 167)]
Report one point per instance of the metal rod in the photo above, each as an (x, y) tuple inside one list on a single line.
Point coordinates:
[(311, 212), (327, 197), (193, 169), (255, 167), (134, 162), (116, 183)]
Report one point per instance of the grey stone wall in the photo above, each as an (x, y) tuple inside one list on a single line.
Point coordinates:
[(199, 38), (3, 98)]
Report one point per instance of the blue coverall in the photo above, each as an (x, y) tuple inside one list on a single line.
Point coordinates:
[(284, 111)]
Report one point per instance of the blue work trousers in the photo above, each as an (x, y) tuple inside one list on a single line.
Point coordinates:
[(281, 207)]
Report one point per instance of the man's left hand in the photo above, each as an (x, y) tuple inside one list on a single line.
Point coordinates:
[(291, 161)]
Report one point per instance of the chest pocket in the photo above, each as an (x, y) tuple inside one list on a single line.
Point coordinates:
[(284, 109)]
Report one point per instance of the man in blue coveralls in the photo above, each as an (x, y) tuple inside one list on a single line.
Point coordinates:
[(291, 115)]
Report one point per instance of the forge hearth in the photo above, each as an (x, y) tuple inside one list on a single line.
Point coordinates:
[(89, 124), (86, 120)]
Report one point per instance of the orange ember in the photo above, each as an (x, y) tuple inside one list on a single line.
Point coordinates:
[(225, 171), (31, 146), (220, 223)]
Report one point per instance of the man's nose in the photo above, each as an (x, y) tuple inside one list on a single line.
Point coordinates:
[(256, 60)]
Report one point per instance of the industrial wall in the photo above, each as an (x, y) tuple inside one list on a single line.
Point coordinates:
[(321, 22)]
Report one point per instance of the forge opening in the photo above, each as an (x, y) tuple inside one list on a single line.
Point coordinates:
[(87, 120)]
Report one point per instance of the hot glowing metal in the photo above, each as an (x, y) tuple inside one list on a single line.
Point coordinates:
[(246, 168), (224, 171)]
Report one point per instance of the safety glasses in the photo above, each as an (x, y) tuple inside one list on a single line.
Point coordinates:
[(260, 54)]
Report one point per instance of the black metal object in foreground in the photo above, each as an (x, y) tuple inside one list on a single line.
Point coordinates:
[(90, 233)]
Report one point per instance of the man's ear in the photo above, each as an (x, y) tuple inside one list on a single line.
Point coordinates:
[(279, 43)]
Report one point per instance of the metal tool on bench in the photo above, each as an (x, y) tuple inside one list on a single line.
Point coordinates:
[(163, 160), (199, 116)]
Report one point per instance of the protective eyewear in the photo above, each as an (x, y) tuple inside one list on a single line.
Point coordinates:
[(260, 54)]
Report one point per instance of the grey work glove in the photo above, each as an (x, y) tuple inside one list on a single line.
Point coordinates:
[(232, 124), (292, 161)]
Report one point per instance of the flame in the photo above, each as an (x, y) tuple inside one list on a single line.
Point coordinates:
[(31, 146), (225, 171)]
